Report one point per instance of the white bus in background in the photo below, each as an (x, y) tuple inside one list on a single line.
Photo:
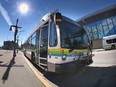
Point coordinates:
[(109, 42)]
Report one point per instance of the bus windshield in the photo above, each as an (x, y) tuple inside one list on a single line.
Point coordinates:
[(73, 36)]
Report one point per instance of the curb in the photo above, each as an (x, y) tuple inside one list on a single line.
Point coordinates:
[(38, 74)]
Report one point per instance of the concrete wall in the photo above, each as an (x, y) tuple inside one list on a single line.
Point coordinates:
[(97, 44)]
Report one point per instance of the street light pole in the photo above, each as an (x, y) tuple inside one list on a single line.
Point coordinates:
[(15, 34), (19, 32), (17, 43)]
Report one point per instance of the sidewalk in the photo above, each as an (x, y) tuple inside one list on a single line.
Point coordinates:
[(97, 50), (15, 72)]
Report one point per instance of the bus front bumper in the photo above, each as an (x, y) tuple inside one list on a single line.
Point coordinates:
[(67, 67)]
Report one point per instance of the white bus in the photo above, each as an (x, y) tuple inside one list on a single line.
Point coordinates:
[(58, 44), (109, 42)]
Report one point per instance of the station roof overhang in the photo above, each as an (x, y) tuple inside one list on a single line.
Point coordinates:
[(96, 16)]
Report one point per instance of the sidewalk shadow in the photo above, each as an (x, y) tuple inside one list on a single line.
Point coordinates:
[(1, 62), (1, 54), (6, 74)]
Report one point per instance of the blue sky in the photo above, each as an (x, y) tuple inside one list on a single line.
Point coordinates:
[(74, 9)]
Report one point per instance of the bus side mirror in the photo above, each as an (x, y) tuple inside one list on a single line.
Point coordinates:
[(58, 18)]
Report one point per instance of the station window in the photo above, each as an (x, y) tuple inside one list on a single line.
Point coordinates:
[(105, 26), (109, 21), (94, 31), (114, 22), (100, 30), (88, 30)]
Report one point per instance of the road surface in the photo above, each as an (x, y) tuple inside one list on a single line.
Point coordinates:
[(17, 73), (102, 73)]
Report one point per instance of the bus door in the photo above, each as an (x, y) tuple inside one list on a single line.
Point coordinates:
[(43, 46)]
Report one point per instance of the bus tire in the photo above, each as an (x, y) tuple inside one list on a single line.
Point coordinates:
[(113, 47), (90, 61), (32, 56)]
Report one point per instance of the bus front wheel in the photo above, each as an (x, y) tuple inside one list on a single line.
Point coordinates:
[(113, 47)]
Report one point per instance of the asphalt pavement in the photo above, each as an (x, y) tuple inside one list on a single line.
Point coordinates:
[(15, 72), (101, 73)]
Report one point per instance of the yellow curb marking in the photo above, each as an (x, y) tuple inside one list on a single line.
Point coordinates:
[(41, 78)]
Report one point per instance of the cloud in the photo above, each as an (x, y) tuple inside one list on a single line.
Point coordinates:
[(5, 15)]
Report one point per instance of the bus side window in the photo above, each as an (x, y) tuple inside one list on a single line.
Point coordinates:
[(114, 40), (109, 41), (53, 35)]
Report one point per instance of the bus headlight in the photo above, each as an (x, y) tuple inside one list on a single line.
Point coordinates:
[(81, 55), (89, 53), (85, 53), (64, 57)]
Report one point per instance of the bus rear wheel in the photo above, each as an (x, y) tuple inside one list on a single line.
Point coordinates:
[(113, 47)]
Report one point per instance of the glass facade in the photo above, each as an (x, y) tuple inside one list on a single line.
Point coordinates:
[(101, 28)]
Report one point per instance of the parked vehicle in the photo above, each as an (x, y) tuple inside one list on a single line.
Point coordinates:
[(109, 42)]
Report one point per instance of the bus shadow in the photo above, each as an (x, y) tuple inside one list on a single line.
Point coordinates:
[(1, 62), (1, 54), (85, 77)]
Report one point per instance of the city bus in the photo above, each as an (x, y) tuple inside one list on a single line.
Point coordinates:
[(58, 44), (109, 42)]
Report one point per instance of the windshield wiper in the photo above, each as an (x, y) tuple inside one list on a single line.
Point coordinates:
[(71, 48)]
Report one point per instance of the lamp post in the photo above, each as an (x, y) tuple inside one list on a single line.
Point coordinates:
[(17, 43), (15, 34), (18, 39)]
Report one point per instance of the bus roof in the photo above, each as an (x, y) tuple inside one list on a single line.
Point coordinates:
[(110, 37), (42, 21), (45, 18)]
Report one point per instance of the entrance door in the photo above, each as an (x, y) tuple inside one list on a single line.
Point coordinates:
[(43, 46)]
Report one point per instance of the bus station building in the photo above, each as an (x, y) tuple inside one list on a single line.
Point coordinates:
[(99, 24)]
